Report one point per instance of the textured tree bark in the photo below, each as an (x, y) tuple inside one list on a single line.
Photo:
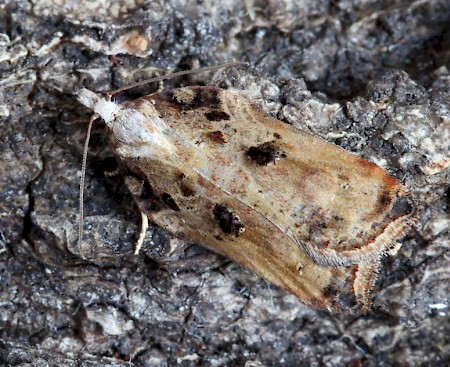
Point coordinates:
[(370, 78)]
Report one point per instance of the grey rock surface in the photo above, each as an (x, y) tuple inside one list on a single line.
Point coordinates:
[(370, 76)]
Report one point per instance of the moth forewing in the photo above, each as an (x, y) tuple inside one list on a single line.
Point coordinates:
[(322, 195), (206, 164)]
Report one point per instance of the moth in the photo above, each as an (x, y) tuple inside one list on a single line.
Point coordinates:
[(208, 165)]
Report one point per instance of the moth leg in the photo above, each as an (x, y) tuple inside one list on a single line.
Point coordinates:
[(144, 227), (136, 188)]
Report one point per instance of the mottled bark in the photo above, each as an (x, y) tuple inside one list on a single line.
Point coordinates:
[(370, 76)]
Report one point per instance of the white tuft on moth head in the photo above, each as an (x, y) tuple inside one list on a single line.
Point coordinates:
[(107, 110), (135, 130)]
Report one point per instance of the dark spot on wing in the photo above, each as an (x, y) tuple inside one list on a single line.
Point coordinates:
[(217, 116), (186, 190), (229, 222), (216, 137), (170, 202), (402, 207), (339, 292), (202, 97), (142, 192), (147, 191), (384, 198), (384, 201), (185, 187), (265, 153), (343, 177)]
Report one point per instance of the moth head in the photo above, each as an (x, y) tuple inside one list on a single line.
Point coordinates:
[(107, 110)]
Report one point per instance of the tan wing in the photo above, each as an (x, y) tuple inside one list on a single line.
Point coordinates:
[(279, 201), (340, 208), (186, 205)]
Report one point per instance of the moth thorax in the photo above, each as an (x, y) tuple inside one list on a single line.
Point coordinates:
[(133, 128), (107, 110)]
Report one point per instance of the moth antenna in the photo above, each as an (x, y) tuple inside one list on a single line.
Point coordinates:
[(82, 181), (173, 75)]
